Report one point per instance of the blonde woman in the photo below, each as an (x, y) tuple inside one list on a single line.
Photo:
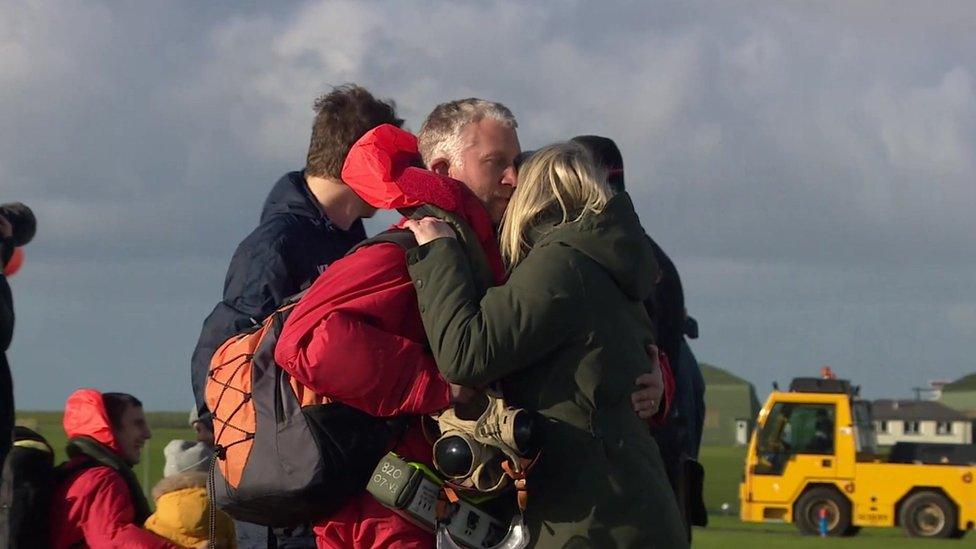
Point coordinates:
[(566, 336)]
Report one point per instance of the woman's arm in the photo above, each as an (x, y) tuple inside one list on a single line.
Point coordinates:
[(477, 341)]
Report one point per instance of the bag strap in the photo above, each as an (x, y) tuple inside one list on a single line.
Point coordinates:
[(67, 468), (101, 455), (518, 473), (401, 237)]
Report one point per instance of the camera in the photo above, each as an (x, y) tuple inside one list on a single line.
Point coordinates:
[(23, 221)]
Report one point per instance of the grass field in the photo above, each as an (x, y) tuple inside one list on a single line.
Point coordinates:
[(723, 471), (726, 532)]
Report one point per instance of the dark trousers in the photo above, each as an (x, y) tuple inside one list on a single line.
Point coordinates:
[(255, 536)]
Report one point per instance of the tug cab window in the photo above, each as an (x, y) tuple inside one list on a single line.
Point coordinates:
[(867, 435), (792, 429)]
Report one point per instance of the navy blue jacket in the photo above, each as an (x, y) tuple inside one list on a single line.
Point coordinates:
[(285, 253), (679, 438), (682, 432)]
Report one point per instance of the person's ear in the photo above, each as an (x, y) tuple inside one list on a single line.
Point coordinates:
[(440, 166)]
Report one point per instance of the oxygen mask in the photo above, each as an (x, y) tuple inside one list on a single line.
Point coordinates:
[(478, 437)]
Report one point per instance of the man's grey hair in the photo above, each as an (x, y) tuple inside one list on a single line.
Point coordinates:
[(440, 135)]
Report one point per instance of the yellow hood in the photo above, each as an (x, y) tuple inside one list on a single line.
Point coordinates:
[(183, 512)]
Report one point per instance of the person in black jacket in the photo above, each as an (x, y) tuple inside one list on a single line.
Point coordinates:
[(17, 228), (6, 334), (310, 219), (679, 438)]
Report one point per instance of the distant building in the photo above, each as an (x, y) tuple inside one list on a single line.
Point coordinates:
[(731, 406), (961, 395), (920, 421), (933, 391)]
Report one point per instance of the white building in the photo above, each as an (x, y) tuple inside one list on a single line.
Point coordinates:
[(919, 421)]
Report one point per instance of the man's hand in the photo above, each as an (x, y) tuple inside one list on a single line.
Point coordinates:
[(650, 387), (428, 229), (462, 395)]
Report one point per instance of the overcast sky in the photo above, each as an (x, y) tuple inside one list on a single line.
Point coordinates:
[(811, 169)]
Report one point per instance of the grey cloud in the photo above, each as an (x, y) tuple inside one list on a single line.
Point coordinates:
[(781, 117), (809, 167)]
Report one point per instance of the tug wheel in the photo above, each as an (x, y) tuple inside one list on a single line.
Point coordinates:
[(806, 513), (928, 515)]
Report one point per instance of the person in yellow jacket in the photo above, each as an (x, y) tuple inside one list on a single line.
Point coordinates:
[(182, 505)]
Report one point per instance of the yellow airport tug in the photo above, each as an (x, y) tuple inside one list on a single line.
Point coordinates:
[(813, 461)]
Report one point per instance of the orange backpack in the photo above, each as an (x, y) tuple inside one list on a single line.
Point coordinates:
[(284, 456)]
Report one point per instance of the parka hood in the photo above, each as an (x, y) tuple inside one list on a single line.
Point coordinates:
[(85, 415), (290, 195), (183, 512), (182, 481), (383, 168), (615, 240)]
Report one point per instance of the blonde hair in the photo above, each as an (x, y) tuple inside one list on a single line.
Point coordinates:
[(440, 134), (561, 183)]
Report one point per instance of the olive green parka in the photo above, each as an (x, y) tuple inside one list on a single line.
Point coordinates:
[(566, 337)]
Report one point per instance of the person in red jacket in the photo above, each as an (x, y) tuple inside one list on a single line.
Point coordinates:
[(99, 503), (357, 336)]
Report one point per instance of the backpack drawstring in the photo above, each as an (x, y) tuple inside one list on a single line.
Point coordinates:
[(211, 494)]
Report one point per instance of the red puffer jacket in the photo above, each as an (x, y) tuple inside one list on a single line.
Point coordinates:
[(92, 507), (357, 336)]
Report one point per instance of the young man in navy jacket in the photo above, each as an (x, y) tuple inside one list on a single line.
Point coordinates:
[(310, 219)]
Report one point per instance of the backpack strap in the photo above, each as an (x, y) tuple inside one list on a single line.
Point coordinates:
[(67, 468), (401, 237), (101, 455)]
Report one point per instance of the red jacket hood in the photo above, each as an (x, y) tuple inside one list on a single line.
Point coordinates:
[(85, 415), (382, 168)]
